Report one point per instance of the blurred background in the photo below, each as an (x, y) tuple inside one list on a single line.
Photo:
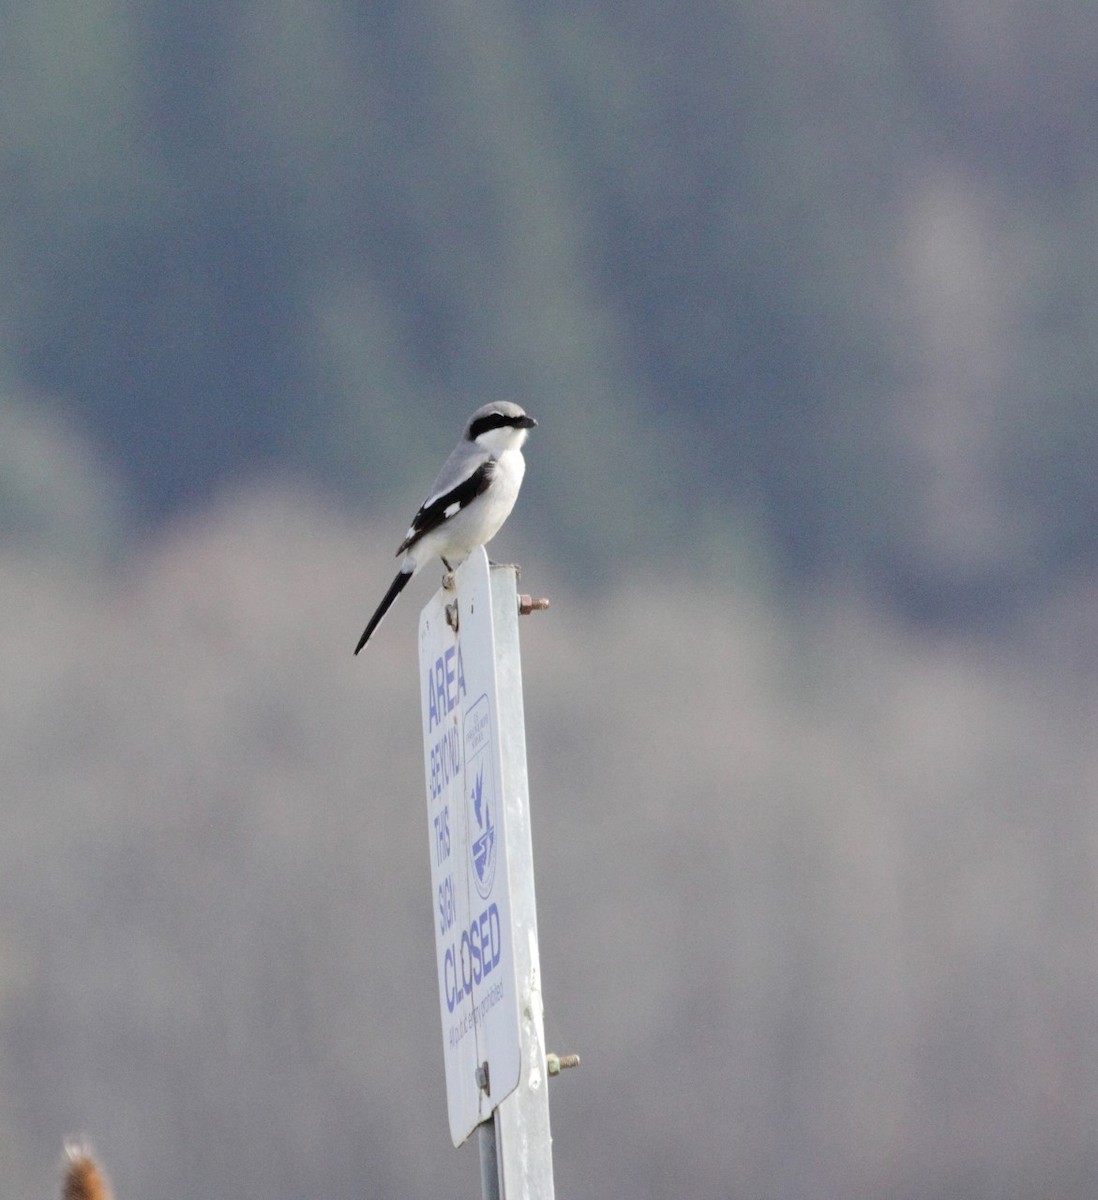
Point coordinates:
[(805, 300)]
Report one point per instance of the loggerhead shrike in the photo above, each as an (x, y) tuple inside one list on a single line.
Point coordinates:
[(471, 498)]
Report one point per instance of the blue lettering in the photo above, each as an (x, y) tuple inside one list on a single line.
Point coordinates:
[(474, 954), (444, 763), (486, 939), (449, 979), (433, 717), (494, 933), (440, 688), (490, 939), (445, 686), (447, 910), (451, 679), (466, 964), (480, 947)]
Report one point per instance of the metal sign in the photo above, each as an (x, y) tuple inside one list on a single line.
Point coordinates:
[(477, 983)]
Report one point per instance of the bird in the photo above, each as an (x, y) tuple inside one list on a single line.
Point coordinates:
[(470, 499)]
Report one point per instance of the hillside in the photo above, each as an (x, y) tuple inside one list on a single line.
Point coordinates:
[(815, 891)]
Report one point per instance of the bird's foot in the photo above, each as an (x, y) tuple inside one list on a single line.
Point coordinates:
[(448, 578)]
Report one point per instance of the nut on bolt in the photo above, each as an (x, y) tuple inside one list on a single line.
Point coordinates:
[(555, 1063), (528, 604)]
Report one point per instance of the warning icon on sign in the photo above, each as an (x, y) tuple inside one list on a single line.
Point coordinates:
[(483, 841), (480, 797)]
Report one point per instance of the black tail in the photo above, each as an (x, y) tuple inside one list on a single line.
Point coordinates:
[(395, 588)]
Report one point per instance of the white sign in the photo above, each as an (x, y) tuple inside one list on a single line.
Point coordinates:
[(477, 982)]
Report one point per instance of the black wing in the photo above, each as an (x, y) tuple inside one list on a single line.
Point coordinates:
[(441, 508)]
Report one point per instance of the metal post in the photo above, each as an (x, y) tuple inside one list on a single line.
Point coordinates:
[(524, 1142), (489, 1159)]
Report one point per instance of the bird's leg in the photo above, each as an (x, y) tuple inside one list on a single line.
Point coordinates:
[(448, 578)]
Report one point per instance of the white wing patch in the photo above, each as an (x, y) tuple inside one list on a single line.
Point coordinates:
[(442, 506)]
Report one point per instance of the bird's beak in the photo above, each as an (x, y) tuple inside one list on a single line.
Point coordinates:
[(527, 422)]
